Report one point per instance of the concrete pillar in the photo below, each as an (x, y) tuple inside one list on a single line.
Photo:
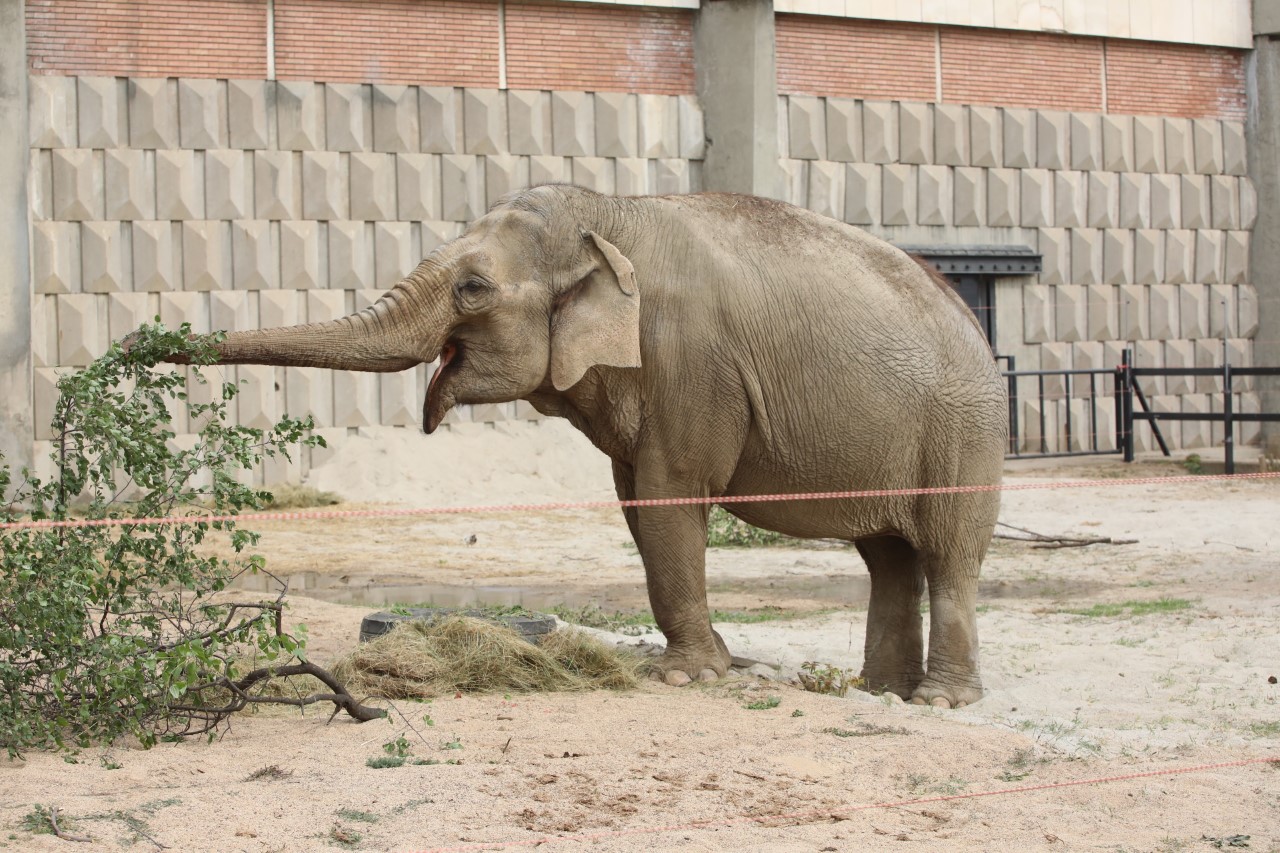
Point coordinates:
[(1263, 139), (16, 421), (738, 88)]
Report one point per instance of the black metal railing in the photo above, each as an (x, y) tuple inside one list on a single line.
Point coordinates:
[(1120, 384)]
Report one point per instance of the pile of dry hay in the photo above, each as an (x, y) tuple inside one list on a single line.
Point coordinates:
[(422, 660)]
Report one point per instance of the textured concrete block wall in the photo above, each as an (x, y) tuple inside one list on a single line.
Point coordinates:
[(239, 204), (1143, 223)]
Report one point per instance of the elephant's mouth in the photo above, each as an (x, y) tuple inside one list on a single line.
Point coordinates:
[(435, 408)]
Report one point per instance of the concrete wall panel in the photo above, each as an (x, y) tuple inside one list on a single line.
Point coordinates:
[(1003, 206), (899, 200), (1135, 200), (130, 184), (250, 104), (348, 117), (1148, 256), (693, 136), (880, 132), (986, 137), (806, 127), (299, 116), (1117, 143), (617, 124), (55, 257), (529, 122), (51, 111), (863, 193), (1071, 313), (484, 121), (1070, 199), (78, 184), (844, 130), (1055, 252), (1085, 137), (325, 184), (152, 106), (1166, 201), (105, 257), (395, 119), (1052, 145), (228, 182), (915, 133), (1206, 142), (951, 134), (303, 256), (277, 190), (206, 255), (969, 185), (1086, 256), (1179, 256), (573, 124), (1104, 200), (1037, 198), (202, 114), (179, 185), (658, 126), (935, 200), (1164, 308), (373, 186), (255, 255), (1019, 135), (101, 112), (1210, 257), (156, 256), (440, 119)]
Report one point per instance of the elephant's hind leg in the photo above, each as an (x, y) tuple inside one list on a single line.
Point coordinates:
[(952, 679), (894, 658)]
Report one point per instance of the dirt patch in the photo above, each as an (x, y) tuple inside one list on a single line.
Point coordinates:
[(1098, 661)]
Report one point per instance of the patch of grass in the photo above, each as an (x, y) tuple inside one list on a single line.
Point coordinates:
[(769, 613), (358, 816), (1271, 729), (1193, 464), (634, 622), (727, 531), (270, 773), (1131, 608), (382, 762), (764, 704), (411, 805), (456, 743), (797, 713), (824, 678), (292, 496), (344, 836)]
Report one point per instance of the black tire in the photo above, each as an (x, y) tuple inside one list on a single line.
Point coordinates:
[(531, 626)]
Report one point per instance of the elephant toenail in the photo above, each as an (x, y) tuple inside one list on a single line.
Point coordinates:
[(676, 678), (940, 702), (918, 700), (708, 675)]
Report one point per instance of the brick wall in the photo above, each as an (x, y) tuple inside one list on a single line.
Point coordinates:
[(149, 38), (851, 58), (599, 48), (855, 59), (1177, 80), (1021, 69), (428, 42)]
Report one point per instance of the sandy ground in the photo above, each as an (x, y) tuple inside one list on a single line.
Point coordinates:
[(1075, 691)]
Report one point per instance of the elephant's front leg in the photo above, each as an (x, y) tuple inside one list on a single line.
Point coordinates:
[(673, 545)]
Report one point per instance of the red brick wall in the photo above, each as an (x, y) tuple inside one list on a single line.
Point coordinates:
[(429, 42), (147, 38), (1148, 78), (1012, 69), (849, 58), (572, 46)]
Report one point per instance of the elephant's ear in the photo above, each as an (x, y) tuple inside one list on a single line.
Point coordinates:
[(597, 320)]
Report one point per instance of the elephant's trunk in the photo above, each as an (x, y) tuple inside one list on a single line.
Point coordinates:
[(397, 332)]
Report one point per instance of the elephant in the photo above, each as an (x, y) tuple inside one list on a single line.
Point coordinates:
[(716, 344)]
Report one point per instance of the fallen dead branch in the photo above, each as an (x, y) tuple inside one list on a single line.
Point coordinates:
[(65, 836), (1041, 540)]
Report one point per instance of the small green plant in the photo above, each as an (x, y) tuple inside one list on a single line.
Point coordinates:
[(727, 531), (380, 762), (109, 631), (292, 496), (108, 764), (455, 743), (1225, 841), (1193, 464), (797, 713), (358, 816), (270, 773), (824, 678), (399, 747), (765, 704), (37, 821)]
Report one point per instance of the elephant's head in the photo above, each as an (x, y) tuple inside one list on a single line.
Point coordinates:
[(530, 296)]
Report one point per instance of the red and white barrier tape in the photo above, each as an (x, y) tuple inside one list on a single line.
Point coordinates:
[(394, 512)]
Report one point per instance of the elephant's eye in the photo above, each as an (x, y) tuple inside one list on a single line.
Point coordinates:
[(472, 286)]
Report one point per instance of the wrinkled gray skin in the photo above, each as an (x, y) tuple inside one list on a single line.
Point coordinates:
[(720, 345)]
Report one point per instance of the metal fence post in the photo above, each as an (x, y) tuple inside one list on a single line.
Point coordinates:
[(1228, 419), (1125, 384)]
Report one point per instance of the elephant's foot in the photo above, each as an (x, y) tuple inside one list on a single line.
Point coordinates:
[(682, 663), (940, 694), (897, 683)]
